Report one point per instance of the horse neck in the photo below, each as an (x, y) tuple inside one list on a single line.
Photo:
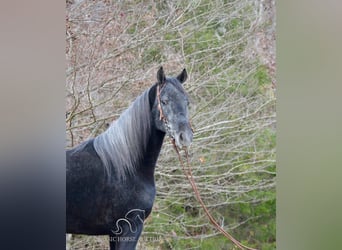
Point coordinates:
[(153, 148)]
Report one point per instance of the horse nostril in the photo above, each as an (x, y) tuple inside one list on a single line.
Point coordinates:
[(181, 136)]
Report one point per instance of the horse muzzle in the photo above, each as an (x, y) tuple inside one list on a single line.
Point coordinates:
[(183, 137)]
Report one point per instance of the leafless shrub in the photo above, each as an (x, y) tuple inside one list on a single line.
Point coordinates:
[(113, 49)]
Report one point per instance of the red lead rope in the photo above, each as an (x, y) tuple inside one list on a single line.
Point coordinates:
[(190, 177)]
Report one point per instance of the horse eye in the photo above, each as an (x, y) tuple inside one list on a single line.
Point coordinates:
[(164, 102)]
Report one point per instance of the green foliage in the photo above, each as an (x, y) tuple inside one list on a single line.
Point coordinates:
[(262, 76), (153, 54)]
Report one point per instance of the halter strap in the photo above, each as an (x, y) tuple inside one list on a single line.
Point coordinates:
[(161, 114)]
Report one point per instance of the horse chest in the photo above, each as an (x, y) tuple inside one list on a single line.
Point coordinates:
[(133, 194), (142, 195)]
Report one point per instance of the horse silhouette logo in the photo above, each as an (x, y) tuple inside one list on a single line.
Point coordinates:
[(132, 219)]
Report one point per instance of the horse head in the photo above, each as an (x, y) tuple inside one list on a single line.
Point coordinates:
[(171, 108)]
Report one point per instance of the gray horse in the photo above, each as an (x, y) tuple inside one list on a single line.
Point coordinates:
[(110, 179)]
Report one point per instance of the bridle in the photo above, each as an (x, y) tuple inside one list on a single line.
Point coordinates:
[(162, 117), (161, 113)]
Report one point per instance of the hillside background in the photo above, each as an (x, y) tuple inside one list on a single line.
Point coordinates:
[(113, 51)]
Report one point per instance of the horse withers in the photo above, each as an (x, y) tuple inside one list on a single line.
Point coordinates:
[(110, 179)]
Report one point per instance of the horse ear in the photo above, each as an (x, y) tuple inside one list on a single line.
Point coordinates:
[(161, 76), (182, 76)]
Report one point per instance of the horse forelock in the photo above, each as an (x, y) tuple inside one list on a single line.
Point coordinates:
[(122, 146)]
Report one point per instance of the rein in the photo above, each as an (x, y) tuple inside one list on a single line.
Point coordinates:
[(189, 176)]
